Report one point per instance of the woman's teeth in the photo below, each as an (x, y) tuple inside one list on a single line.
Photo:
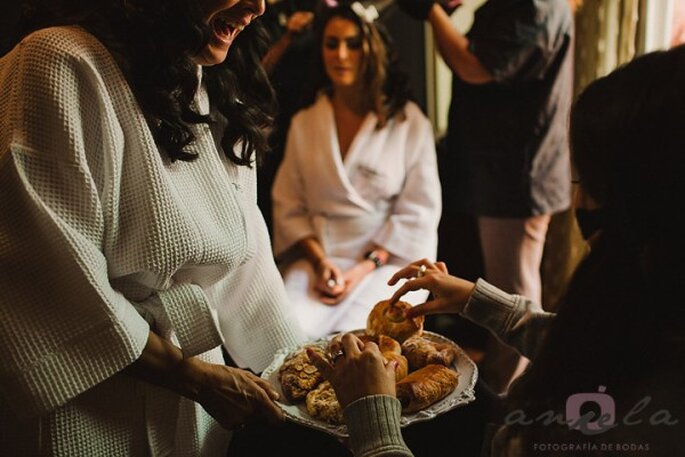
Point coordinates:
[(226, 27)]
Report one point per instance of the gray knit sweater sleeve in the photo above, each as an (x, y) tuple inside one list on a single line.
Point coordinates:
[(374, 426), (517, 321)]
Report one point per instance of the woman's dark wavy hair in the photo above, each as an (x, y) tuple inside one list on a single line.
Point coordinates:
[(163, 77), (621, 323), (385, 85)]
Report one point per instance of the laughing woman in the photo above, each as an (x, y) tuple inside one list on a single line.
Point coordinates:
[(131, 245), (358, 190)]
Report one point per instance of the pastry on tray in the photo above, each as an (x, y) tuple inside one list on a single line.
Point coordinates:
[(424, 374), (323, 404), (391, 320), (421, 351), (391, 350), (426, 386), (298, 376)]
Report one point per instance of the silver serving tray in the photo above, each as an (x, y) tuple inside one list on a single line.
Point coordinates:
[(462, 394)]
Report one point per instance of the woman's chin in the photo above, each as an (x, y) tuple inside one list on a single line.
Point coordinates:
[(211, 55)]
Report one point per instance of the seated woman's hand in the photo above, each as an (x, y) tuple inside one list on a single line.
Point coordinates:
[(351, 279), (449, 293), (232, 396), (330, 281), (360, 371)]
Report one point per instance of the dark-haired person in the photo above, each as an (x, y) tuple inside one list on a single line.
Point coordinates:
[(617, 339), (358, 189), (131, 244)]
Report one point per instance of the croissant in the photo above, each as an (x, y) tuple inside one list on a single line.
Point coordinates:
[(426, 386), (392, 321), (391, 350), (421, 351)]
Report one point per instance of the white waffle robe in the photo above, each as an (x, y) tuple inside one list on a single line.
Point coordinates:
[(386, 192), (102, 238)]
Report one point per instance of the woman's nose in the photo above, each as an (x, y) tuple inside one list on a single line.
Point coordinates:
[(261, 7), (256, 7), (343, 52)]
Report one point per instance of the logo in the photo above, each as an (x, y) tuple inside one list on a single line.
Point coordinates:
[(590, 424)]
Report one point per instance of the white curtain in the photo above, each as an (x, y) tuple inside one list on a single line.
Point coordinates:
[(606, 37)]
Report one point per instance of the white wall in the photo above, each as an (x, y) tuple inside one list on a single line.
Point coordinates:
[(657, 24)]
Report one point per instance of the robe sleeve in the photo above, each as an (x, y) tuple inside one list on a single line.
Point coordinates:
[(411, 230), (63, 328), (291, 216)]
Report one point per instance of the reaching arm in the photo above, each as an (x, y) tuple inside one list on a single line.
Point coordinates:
[(454, 49), (517, 321), (297, 23), (232, 396)]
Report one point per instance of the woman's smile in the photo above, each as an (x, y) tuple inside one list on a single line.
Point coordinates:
[(227, 20)]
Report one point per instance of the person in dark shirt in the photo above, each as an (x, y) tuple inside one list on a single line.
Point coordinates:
[(507, 132)]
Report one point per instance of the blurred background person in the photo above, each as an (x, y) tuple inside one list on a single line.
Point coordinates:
[(358, 191), (507, 129)]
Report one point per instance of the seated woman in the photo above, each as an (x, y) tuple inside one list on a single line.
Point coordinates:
[(358, 192)]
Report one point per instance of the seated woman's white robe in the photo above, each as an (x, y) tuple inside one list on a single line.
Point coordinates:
[(386, 193)]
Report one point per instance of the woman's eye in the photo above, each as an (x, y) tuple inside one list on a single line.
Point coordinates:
[(354, 43), (331, 44)]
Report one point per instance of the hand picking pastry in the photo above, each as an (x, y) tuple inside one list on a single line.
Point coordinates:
[(298, 375), (392, 321), (426, 386), (421, 351), (391, 350), (323, 404), (335, 344)]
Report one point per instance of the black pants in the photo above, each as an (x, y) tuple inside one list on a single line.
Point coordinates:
[(459, 432)]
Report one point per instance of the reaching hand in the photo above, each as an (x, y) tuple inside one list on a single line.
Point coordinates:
[(361, 371), (299, 21), (450, 293), (450, 5), (233, 396), (418, 9)]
